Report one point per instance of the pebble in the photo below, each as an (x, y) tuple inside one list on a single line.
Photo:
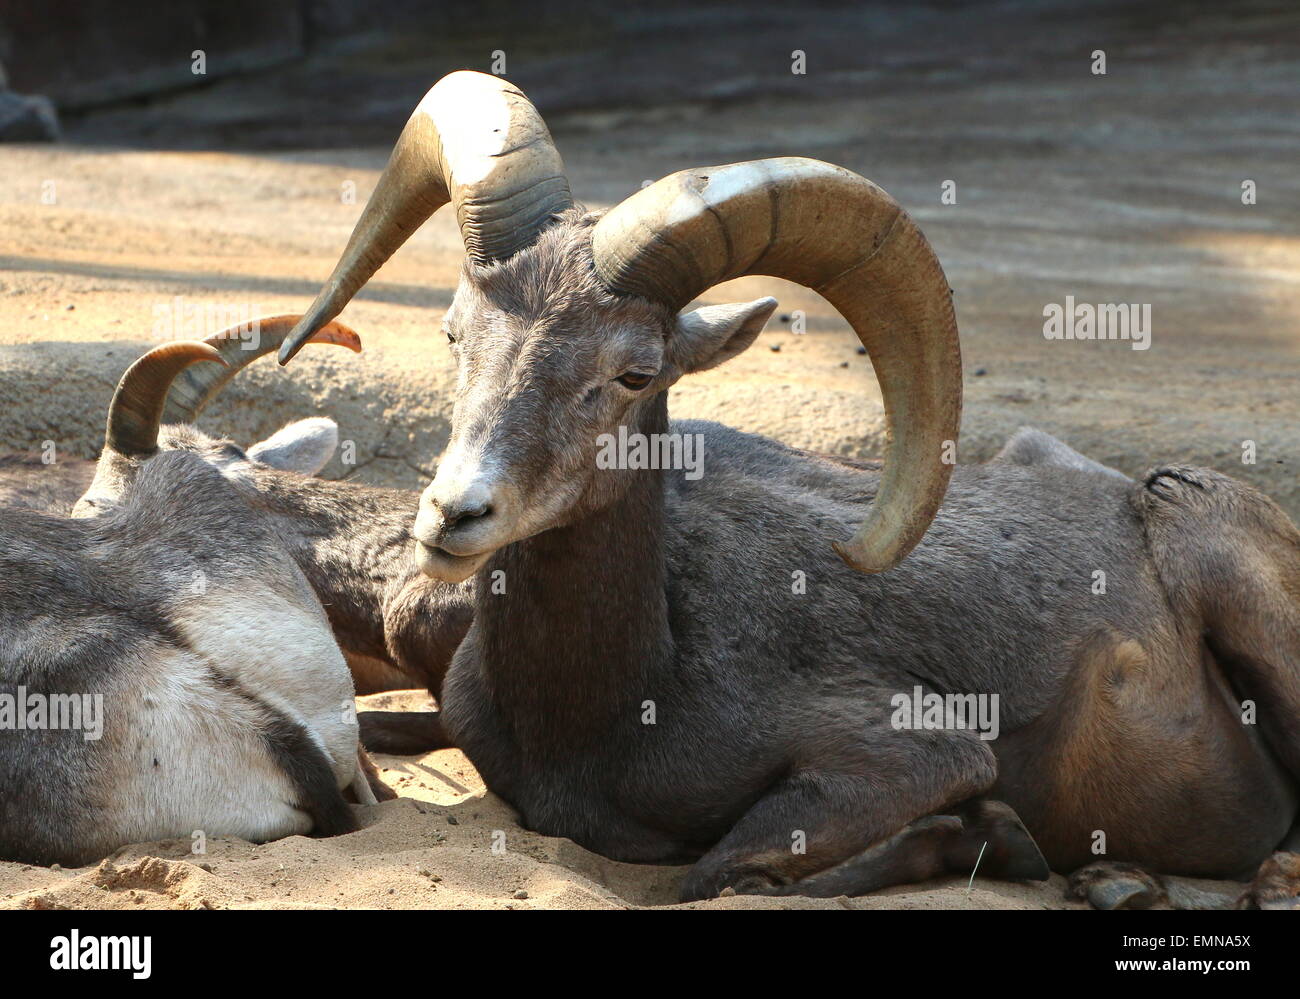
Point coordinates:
[(520, 894)]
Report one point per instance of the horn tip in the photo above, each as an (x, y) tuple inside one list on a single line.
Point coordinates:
[(210, 353), (339, 335), (859, 557), (295, 341)]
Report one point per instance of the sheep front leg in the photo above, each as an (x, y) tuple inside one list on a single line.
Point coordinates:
[(402, 733), (839, 831), (980, 836)]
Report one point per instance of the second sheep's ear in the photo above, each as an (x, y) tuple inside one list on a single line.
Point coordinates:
[(305, 446)]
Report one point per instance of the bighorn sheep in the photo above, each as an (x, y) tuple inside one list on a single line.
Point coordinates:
[(157, 586), (395, 626), (648, 682), (165, 667)]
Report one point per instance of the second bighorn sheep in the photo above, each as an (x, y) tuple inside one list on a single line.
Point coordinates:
[(395, 626), (165, 667), (650, 684)]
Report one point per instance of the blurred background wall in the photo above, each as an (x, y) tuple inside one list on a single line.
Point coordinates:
[(354, 63)]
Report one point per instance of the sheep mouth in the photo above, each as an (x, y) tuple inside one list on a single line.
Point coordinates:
[(438, 563)]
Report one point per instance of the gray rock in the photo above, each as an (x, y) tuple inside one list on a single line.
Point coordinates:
[(27, 118)]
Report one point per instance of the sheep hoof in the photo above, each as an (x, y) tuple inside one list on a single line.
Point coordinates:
[(1276, 885), (1115, 886)]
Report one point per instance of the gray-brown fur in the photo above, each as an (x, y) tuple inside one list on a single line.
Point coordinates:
[(396, 627), (354, 545)]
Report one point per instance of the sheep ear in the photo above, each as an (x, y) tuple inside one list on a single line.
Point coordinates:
[(305, 446), (713, 334)]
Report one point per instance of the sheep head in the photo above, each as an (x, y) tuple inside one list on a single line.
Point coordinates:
[(566, 325)]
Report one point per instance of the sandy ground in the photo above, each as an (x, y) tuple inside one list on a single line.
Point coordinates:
[(446, 843), (1122, 188)]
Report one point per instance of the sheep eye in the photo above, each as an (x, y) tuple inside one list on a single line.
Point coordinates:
[(634, 380), (450, 336)]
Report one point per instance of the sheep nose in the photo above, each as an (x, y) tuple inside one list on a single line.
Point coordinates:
[(460, 502), (456, 515), (462, 510)]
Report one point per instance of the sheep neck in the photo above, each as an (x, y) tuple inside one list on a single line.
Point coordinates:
[(573, 644), (353, 544)]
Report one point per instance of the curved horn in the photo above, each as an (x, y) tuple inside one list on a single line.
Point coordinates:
[(474, 141), (194, 388), (136, 411), (848, 240)]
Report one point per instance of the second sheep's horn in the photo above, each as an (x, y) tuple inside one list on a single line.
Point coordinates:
[(239, 346)]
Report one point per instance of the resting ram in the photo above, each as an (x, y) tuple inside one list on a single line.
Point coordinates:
[(396, 627), (649, 683), (165, 667), (184, 600)]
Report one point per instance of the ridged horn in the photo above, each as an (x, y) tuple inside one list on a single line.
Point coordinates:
[(842, 236), (239, 346), (135, 413), (474, 141)]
